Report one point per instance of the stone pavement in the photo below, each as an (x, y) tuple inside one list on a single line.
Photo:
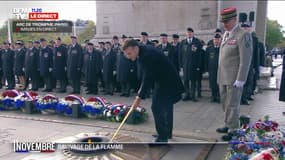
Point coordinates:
[(193, 122)]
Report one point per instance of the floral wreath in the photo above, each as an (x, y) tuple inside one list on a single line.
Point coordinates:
[(263, 140), (115, 113), (47, 103), (94, 107), (7, 98), (25, 96), (64, 105)]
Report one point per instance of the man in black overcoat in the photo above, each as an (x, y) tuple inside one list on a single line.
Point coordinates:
[(123, 72), (7, 65), (60, 65), (109, 67), (20, 53), (190, 60), (212, 62), (46, 64), (93, 68), (74, 64), (31, 65)]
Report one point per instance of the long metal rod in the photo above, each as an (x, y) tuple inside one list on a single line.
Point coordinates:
[(122, 123)]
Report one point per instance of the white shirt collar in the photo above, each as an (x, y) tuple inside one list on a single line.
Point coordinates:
[(190, 39)]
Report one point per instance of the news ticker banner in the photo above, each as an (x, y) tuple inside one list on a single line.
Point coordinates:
[(27, 26), (45, 147)]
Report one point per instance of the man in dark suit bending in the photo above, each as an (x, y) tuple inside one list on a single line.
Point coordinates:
[(157, 70)]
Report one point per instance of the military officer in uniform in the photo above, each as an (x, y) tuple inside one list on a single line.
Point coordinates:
[(212, 61), (7, 65), (168, 50), (93, 67), (31, 65), (74, 64), (190, 60), (167, 85), (60, 65), (109, 66), (234, 62), (19, 69), (46, 64)]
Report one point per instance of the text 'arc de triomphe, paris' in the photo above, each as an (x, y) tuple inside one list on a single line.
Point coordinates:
[(132, 17)]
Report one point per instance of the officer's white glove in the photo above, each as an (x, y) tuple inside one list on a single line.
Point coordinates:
[(239, 84), (23, 69), (114, 72), (50, 69), (65, 68), (198, 69), (78, 69)]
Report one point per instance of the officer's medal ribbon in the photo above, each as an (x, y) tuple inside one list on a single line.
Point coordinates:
[(185, 48), (212, 54), (74, 51), (58, 54), (45, 54), (165, 53), (194, 48), (232, 42)]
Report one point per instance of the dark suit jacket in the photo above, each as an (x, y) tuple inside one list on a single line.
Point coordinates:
[(158, 70)]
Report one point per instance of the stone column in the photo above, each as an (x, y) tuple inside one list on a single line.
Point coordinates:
[(261, 19)]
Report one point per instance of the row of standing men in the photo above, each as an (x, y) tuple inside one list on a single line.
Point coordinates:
[(43, 65)]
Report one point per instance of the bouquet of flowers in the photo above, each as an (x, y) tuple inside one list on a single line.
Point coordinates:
[(25, 96), (8, 99), (263, 140), (94, 107), (47, 104), (64, 105)]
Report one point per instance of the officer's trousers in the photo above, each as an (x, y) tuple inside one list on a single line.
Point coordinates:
[(230, 98)]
